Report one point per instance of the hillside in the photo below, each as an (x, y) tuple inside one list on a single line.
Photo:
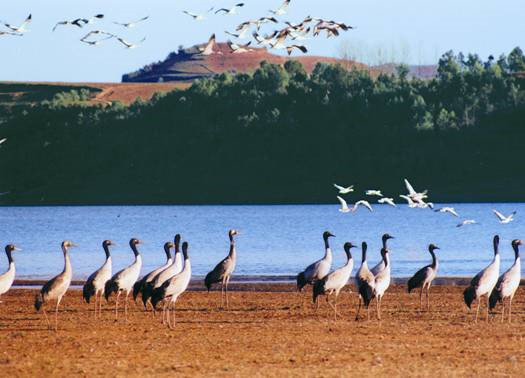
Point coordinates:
[(189, 64)]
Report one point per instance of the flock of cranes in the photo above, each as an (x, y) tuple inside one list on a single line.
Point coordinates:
[(284, 38), (166, 283), (414, 200)]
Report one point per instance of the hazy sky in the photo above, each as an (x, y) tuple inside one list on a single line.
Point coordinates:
[(416, 30)]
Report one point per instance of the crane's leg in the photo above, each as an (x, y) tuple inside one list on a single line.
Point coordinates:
[(487, 317), (428, 299), (126, 306), (100, 305), (378, 304), (222, 293), (47, 319), (510, 306), (116, 305), (421, 298), (173, 315), (335, 306), (477, 310), (56, 313), (163, 312), (95, 303), (502, 309), (358, 309), (226, 292), (168, 319)]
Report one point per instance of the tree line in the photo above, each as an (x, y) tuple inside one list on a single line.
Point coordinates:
[(278, 135)]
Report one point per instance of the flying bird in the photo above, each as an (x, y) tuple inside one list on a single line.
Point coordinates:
[(504, 219), (362, 203), (22, 28), (84, 39), (290, 48), (466, 222), (239, 49), (132, 23), (232, 10), (282, 9), (344, 206), (129, 45), (374, 193), (208, 49), (196, 17), (79, 22), (389, 201), (343, 190), (3, 140), (447, 209), (9, 33)]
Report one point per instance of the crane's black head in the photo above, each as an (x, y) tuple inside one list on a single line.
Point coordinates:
[(107, 243), (433, 247), (348, 245), (168, 246), (364, 246), (386, 237), (185, 249), (233, 232), (327, 234), (176, 239), (133, 242), (515, 243), (11, 247), (496, 239)]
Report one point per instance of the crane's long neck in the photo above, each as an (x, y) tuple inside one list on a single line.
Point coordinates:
[(386, 259), (363, 256), (67, 261), (232, 252), (516, 252), (496, 247), (9, 257), (106, 251), (434, 259), (327, 251), (384, 243), (135, 251), (168, 253)]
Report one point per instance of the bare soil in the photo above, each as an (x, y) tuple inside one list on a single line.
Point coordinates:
[(264, 333)]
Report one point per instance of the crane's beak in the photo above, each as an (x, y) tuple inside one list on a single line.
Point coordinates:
[(18, 249), (73, 245)]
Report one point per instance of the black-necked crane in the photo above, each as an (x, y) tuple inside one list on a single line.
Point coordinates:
[(381, 264), (174, 268), (7, 278), (365, 283), (223, 270), (382, 281), (55, 288), (139, 285), (333, 282), (507, 283), (483, 283), (318, 269), (423, 277), (96, 282), (125, 279), (173, 288)]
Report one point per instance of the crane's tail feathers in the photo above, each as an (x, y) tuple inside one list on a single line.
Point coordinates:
[(411, 284), (367, 293), (136, 289), (301, 281), (146, 291), (494, 298), (39, 301), (111, 286), (158, 295), (88, 291), (318, 289), (208, 281), (469, 295)]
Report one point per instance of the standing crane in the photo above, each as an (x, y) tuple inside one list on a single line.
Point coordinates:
[(365, 282), (424, 277), (96, 282), (223, 270), (318, 269), (6, 279), (57, 286)]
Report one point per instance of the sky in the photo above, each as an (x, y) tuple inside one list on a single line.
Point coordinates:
[(411, 31)]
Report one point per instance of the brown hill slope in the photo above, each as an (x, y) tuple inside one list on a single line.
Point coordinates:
[(189, 64)]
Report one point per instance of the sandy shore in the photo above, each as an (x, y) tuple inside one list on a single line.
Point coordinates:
[(270, 332)]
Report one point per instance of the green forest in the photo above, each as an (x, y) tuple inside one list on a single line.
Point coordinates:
[(278, 135)]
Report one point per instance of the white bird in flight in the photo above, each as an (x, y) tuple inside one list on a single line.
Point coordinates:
[(343, 190), (387, 200), (129, 45), (467, 222), (3, 140), (22, 28), (232, 10), (362, 203), (374, 193), (413, 194), (239, 49), (132, 23), (84, 39), (447, 209), (196, 17), (504, 219), (208, 49), (411, 203), (344, 206), (282, 9)]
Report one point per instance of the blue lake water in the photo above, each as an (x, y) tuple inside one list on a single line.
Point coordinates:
[(274, 240)]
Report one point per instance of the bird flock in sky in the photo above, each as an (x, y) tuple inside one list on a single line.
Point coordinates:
[(284, 38), (93, 37), (414, 199)]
